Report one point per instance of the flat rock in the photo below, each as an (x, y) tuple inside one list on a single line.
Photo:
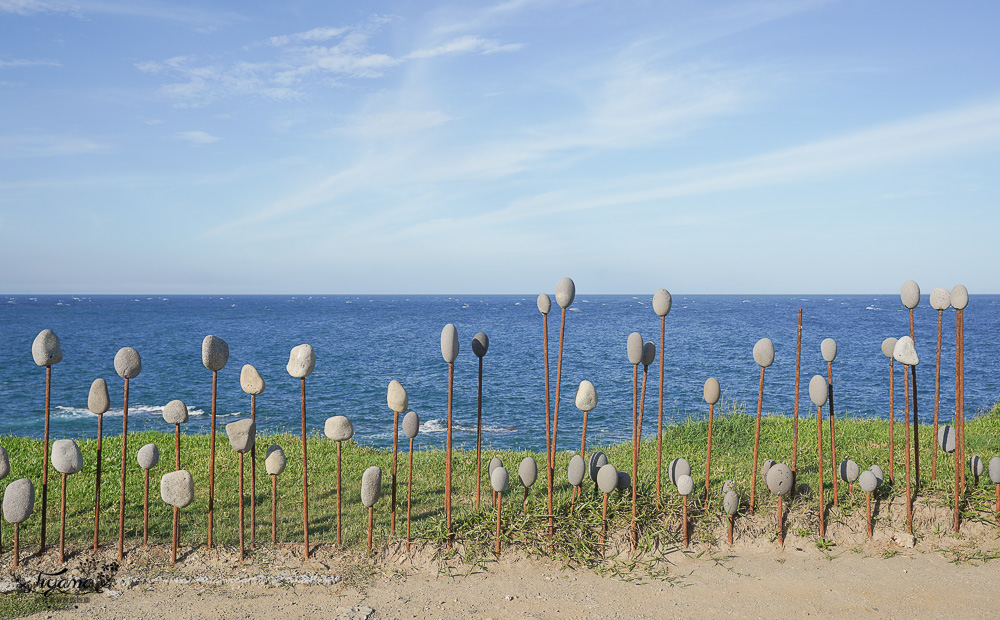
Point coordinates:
[(98, 401), (500, 479), (494, 463), (214, 353), (148, 456), (18, 501), (242, 434), (888, 346), (480, 344), (339, 428), (46, 349), (66, 456), (711, 391), (677, 468), (976, 465), (818, 390), (829, 349), (959, 297), (250, 380), (128, 364), (586, 396), (648, 353), (909, 294), (633, 348), (565, 292), (766, 467), (684, 485), (597, 461), (175, 412), (607, 478), (624, 481), (396, 397), (867, 481), (576, 471), (940, 298), (763, 352), (301, 361), (527, 472), (371, 486), (661, 302), (731, 502), (449, 343), (544, 303), (411, 424), (779, 479), (994, 469), (4, 463), (878, 473), (849, 471), (274, 460), (905, 352), (177, 488)]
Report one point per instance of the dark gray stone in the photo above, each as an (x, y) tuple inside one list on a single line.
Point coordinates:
[(46, 349), (544, 303), (371, 486), (711, 391), (731, 502), (576, 471), (449, 343), (633, 348), (214, 353), (959, 297), (829, 349), (18, 501), (177, 488), (242, 434), (565, 292), (596, 462), (586, 396), (648, 353), (763, 352), (677, 468), (624, 481), (888, 346), (396, 397), (868, 482), (148, 456), (909, 294), (98, 401), (940, 298), (339, 428), (779, 479), (250, 380), (661, 302), (480, 344), (607, 478), (411, 424), (905, 352), (500, 479), (128, 364), (684, 485), (274, 460), (175, 412), (818, 390), (849, 471), (301, 361), (66, 456), (527, 472)]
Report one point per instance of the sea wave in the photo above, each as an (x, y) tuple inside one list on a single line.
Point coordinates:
[(82, 412), (440, 425)]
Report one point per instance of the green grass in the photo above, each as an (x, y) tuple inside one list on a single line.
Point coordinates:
[(20, 604)]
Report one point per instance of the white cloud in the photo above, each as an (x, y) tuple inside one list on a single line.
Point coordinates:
[(467, 44), (197, 137), (316, 34), (20, 62), (18, 147), (27, 7), (204, 20)]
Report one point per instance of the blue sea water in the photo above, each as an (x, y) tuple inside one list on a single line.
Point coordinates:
[(363, 342)]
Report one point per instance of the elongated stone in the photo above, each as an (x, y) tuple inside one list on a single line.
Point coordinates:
[(66, 456), (339, 428), (763, 352), (849, 471), (480, 344), (946, 438), (565, 292), (175, 412), (818, 390), (500, 479), (888, 346), (214, 353), (45, 349), (711, 391), (976, 465), (371, 486), (868, 481), (544, 303), (177, 488), (396, 397), (274, 461), (994, 470), (449, 343), (878, 473), (18, 501), (527, 472), (678, 467), (959, 297), (905, 352), (98, 401), (607, 478), (728, 485), (779, 479), (731, 502), (586, 396), (940, 298), (648, 353), (250, 380), (576, 471), (494, 463), (148, 456), (829, 349), (597, 461), (128, 364), (909, 294), (624, 481), (4, 463), (661, 302), (301, 361), (242, 434), (633, 348), (765, 468), (411, 424), (684, 485)]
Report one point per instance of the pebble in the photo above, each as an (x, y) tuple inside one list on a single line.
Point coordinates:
[(662, 302), (829, 349), (909, 294), (396, 397), (177, 488), (940, 298), (877, 471), (480, 344), (500, 479), (98, 401), (274, 461), (633, 348), (301, 361), (544, 303), (677, 468), (45, 349), (905, 352), (711, 391), (565, 292), (818, 390), (685, 485), (18, 501), (250, 380), (888, 346), (586, 396), (779, 479), (339, 428), (527, 471), (648, 354), (242, 434), (128, 364), (411, 424), (959, 297), (597, 461), (624, 481), (66, 456), (371, 486), (214, 353), (868, 481), (731, 502), (494, 463), (148, 456), (976, 465), (849, 471), (449, 343), (607, 478), (175, 412), (763, 352), (576, 470)]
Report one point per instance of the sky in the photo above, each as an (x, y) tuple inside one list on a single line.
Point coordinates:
[(772, 146)]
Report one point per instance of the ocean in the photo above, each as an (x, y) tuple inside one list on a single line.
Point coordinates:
[(363, 342)]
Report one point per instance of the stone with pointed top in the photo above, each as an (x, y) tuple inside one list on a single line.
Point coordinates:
[(763, 352), (371, 486), (148, 456), (494, 463), (818, 390), (684, 485), (888, 346), (586, 396), (829, 349), (661, 302), (565, 292), (214, 353), (868, 481), (242, 434), (177, 488), (175, 412), (994, 470), (959, 297), (597, 461), (301, 361), (731, 502), (339, 428), (909, 294), (480, 344), (46, 349), (849, 471), (500, 479), (940, 298), (648, 354), (18, 501), (274, 460), (677, 468), (449, 343), (544, 303), (711, 391), (98, 401), (633, 348), (4, 463), (527, 471), (66, 456), (411, 424), (576, 471), (250, 380), (396, 397), (607, 478), (128, 364), (905, 352)]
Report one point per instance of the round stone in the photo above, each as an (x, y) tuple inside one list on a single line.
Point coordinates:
[(175, 412), (396, 397), (494, 463), (868, 481), (849, 471), (624, 481), (576, 471), (148, 456), (731, 502), (527, 472), (648, 354), (877, 472), (98, 400), (177, 488), (976, 465), (685, 485), (994, 469), (818, 390), (661, 302), (940, 298), (250, 380), (677, 468), (607, 478), (4, 463), (45, 349), (888, 346), (711, 391), (480, 344), (597, 461), (544, 303), (946, 438), (633, 347), (909, 294), (301, 361), (449, 343), (763, 352), (779, 479), (274, 460), (66, 456), (339, 428), (242, 435), (411, 424), (905, 352), (18, 501), (586, 396), (565, 292), (765, 468), (128, 365), (214, 353), (371, 486), (959, 297), (829, 349), (500, 479)]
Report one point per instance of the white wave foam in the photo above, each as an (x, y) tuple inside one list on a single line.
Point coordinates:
[(81, 412), (440, 425)]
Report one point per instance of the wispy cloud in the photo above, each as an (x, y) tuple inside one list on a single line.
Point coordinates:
[(316, 34), (204, 19), (465, 45), (18, 147), (12, 63), (197, 137), (393, 123)]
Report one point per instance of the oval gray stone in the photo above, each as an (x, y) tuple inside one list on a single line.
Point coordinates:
[(98, 401), (565, 292), (677, 468), (607, 478), (633, 348), (946, 438), (976, 465), (214, 353), (994, 470), (868, 481), (905, 352), (371, 486), (685, 485), (274, 460), (177, 488), (940, 298), (480, 344), (396, 397), (959, 297), (449, 343), (818, 390), (597, 461), (339, 428), (779, 479), (661, 302), (766, 467), (4, 463), (648, 353), (576, 471), (586, 396), (128, 364), (66, 456), (301, 361), (909, 294), (18, 501), (242, 434), (624, 481), (46, 349), (148, 456), (527, 472), (829, 349), (878, 473), (888, 346), (411, 424), (250, 380), (731, 502), (763, 352), (849, 471), (544, 303), (500, 479), (728, 485), (175, 412), (494, 463), (711, 391)]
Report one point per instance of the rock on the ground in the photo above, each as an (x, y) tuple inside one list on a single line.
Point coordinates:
[(45, 349)]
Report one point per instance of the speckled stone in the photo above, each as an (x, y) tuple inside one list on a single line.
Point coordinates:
[(940, 298), (175, 412), (597, 461), (677, 468), (148, 456), (66, 456), (371, 486), (274, 461), (18, 501), (633, 347), (494, 463), (763, 352), (662, 302), (994, 470), (301, 361), (829, 349), (576, 471), (905, 352), (779, 479), (500, 479), (411, 424), (624, 481), (818, 390), (339, 428), (765, 467), (849, 471), (527, 472), (684, 485), (959, 297), (396, 397), (250, 380), (45, 349), (648, 353), (607, 478), (128, 364), (731, 502), (177, 488), (888, 346), (449, 343), (868, 482), (242, 434), (214, 353), (98, 401), (711, 391), (976, 465), (480, 344), (909, 294), (565, 292), (878, 473), (544, 303), (586, 396), (4, 463)]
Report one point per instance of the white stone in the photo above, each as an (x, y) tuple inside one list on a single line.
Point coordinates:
[(301, 361), (18, 501), (711, 391), (829, 349), (959, 297), (494, 463), (242, 434), (731, 502), (888, 346), (250, 380), (586, 396), (728, 485), (849, 471), (633, 348), (500, 479), (818, 390), (128, 364), (46, 349), (544, 303), (763, 352), (648, 354), (480, 344), (779, 479), (449, 343), (994, 470), (576, 471), (339, 428), (177, 488), (909, 294), (565, 292), (396, 397), (274, 460), (868, 481), (371, 486), (905, 352), (527, 471), (597, 461), (411, 424), (175, 412), (661, 302), (677, 468), (98, 401), (607, 478), (940, 298), (946, 438), (214, 353), (685, 485), (148, 456), (66, 456)]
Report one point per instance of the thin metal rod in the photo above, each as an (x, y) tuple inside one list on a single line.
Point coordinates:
[(121, 504), (583, 437), (274, 505), (339, 495), (961, 390), (97, 482), (45, 455), (730, 530), (371, 519), (555, 410), (395, 445), (795, 424), (906, 424), (959, 463), (173, 548), (684, 520), (708, 458), (211, 463), (145, 508), (253, 477), (892, 424), (819, 444), (479, 435), (62, 521), (242, 553), (659, 424), (833, 434), (524, 504), (447, 460), (868, 510), (997, 510), (17, 545), (635, 457), (305, 475), (916, 431), (604, 521), (937, 396), (409, 498), (548, 409), (499, 510), (781, 522), (756, 441)]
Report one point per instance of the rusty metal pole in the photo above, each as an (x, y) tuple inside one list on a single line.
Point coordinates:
[(97, 483), (62, 522), (833, 435), (121, 504), (274, 505), (819, 443), (961, 390), (242, 554), (339, 494), (253, 477), (604, 522), (173, 547), (45, 455), (499, 509), (555, 410), (916, 430), (906, 396), (145, 508), (684, 520), (781, 522), (305, 477), (548, 429), (177, 446), (635, 455), (211, 463), (659, 424), (892, 423), (868, 503), (371, 519), (756, 440), (583, 437), (395, 443), (730, 530), (447, 463), (997, 510), (479, 435), (17, 545), (409, 497), (795, 424), (708, 459), (937, 396), (959, 462)]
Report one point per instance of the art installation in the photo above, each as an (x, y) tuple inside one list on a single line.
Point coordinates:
[(711, 393), (301, 363), (684, 487), (494, 463), (661, 306), (994, 478), (779, 480), (607, 481), (869, 482), (575, 473), (339, 429), (565, 294), (795, 406), (67, 460), (829, 350), (544, 307), (4, 472), (849, 472), (976, 467), (480, 345), (128, 365), (175, 412), (98, 402), (940, 300), (633, 348), (274, 465), (763, 355), (731, 504), (46, 351), (18, 505), (411, 427), (906, 354), (177, 490), (147, 457), (371, 491), (449, 351), (253, 384), (818, 392), (888, 346), (398, 402), (585, 401), (959, 300), (909, 294), (527, 473), (648, 357), (500, 480), (214, 356), (242, 436)]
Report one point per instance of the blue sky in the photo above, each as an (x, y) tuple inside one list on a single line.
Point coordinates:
[(775, 146)]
